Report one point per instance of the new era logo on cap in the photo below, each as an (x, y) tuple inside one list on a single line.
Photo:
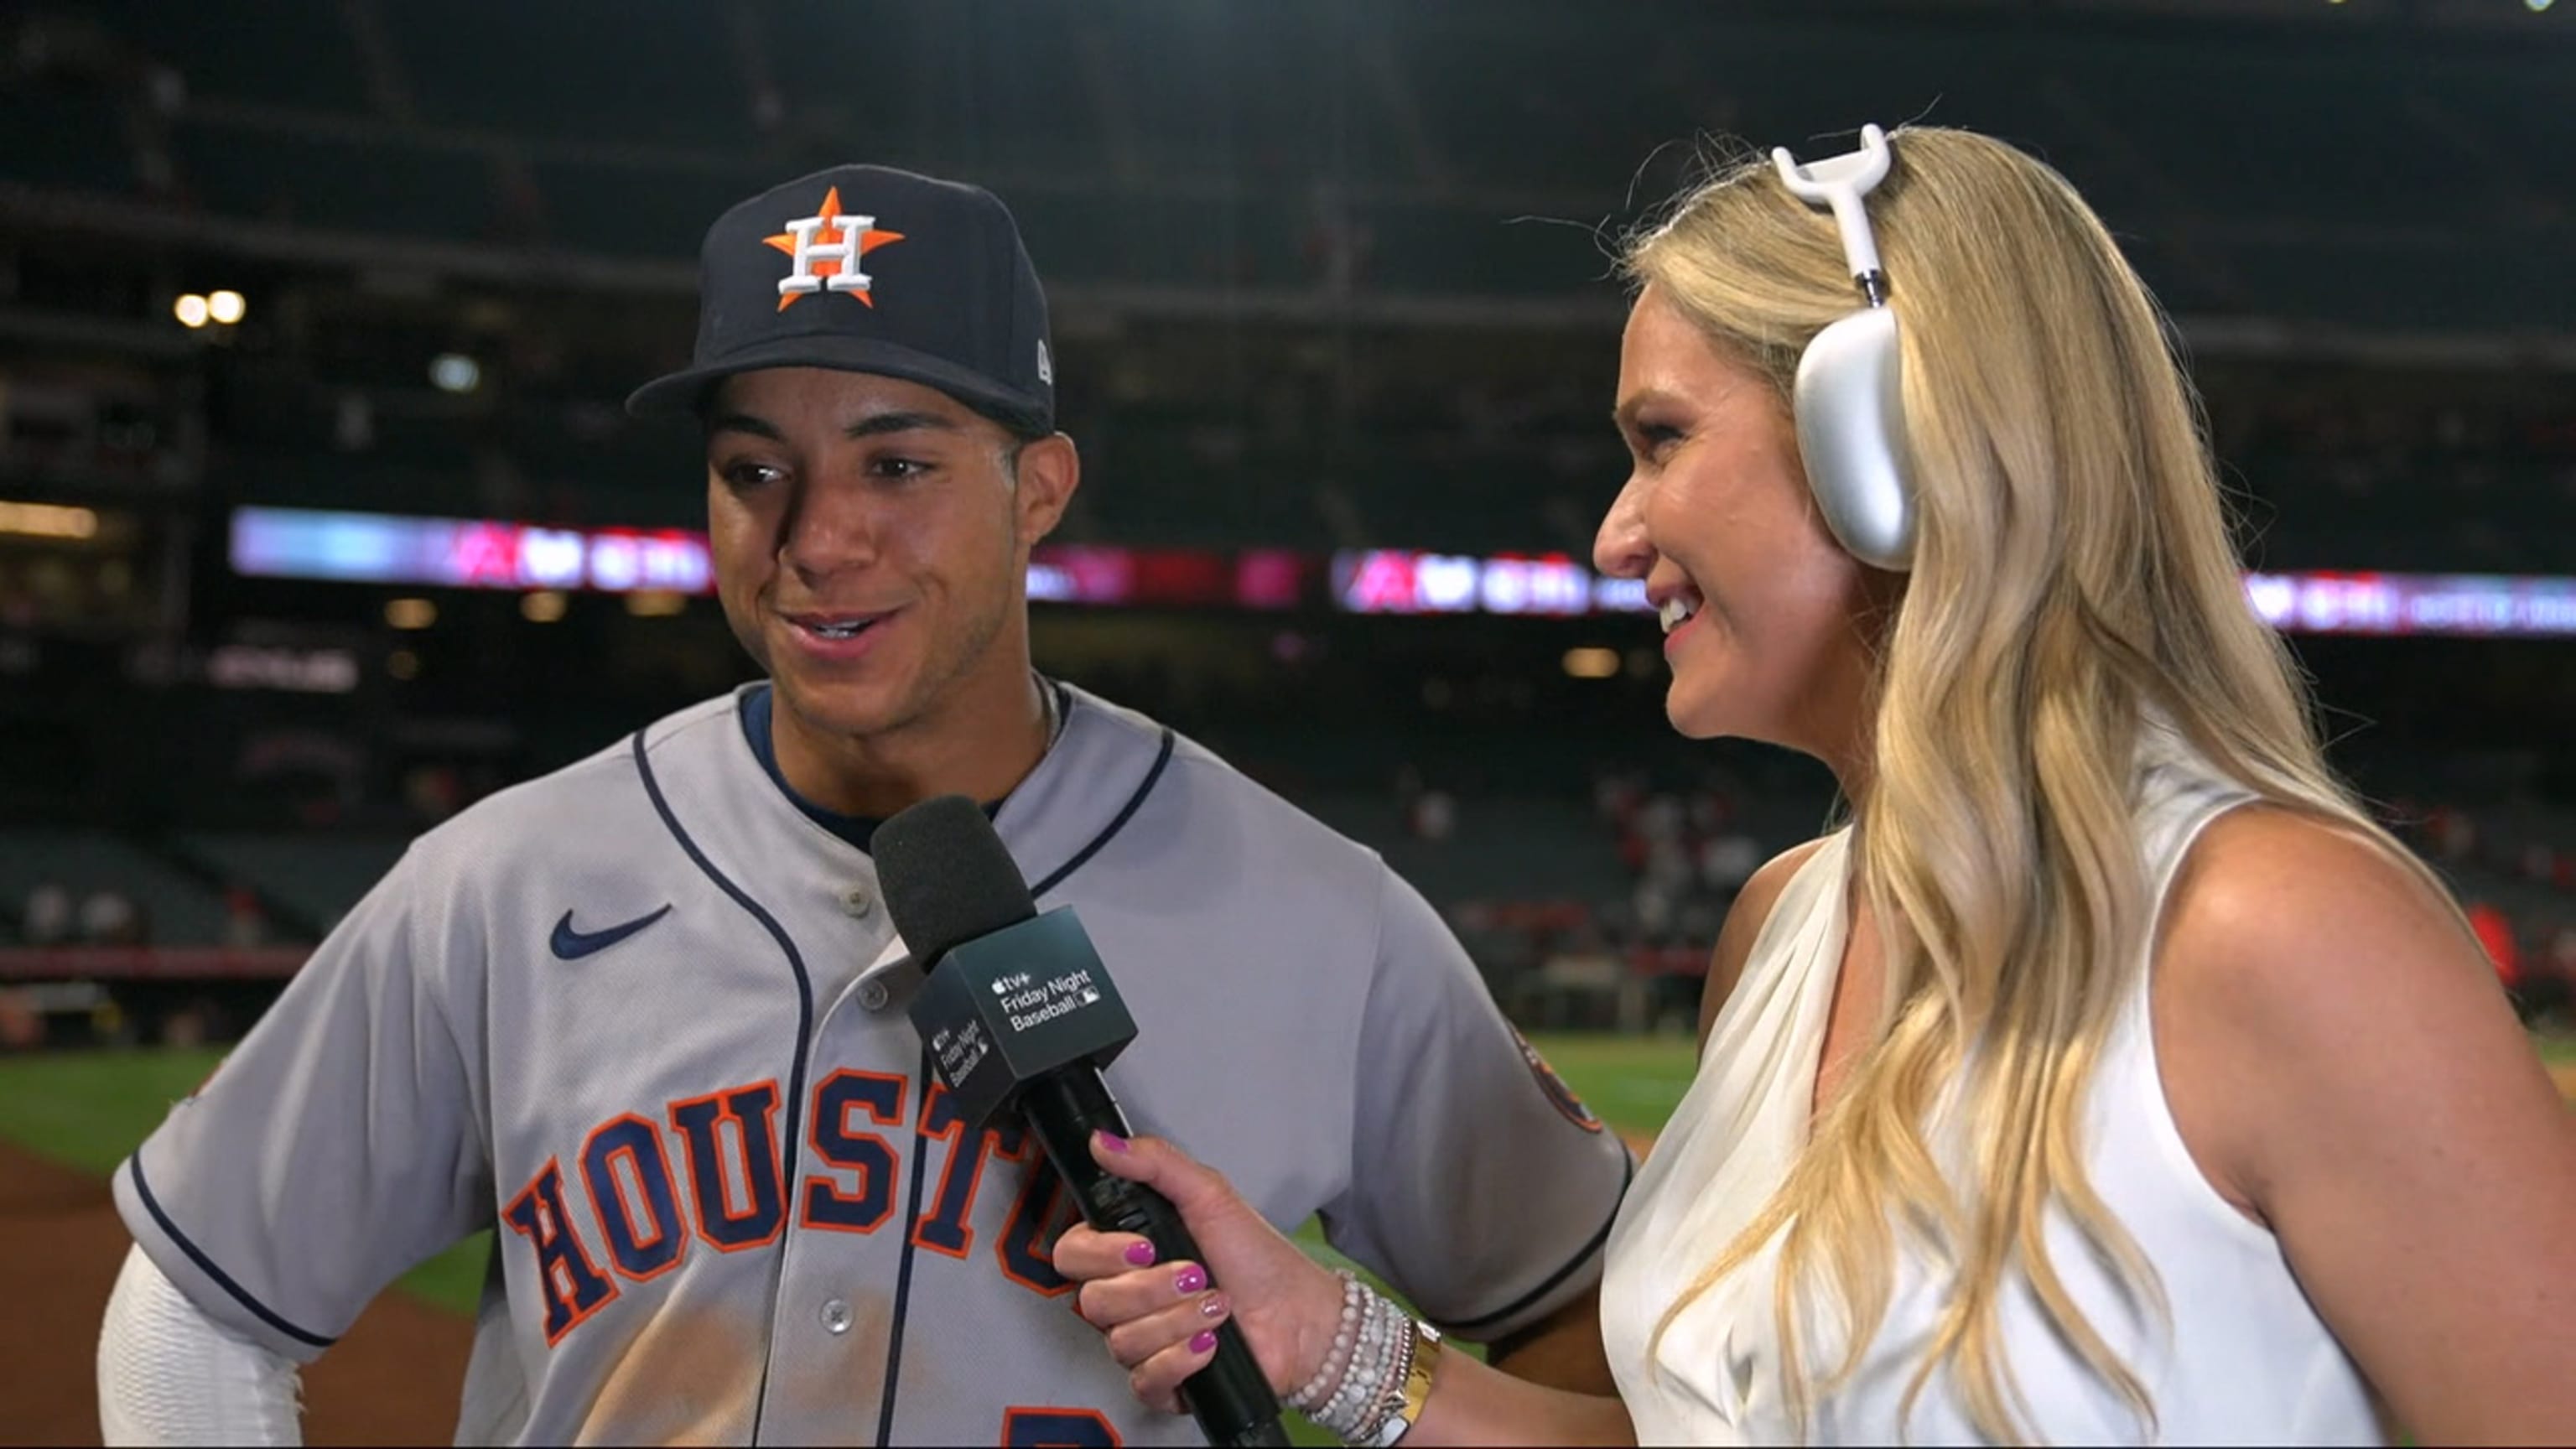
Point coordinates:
[(809, 274)]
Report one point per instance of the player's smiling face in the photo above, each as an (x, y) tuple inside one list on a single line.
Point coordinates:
[(871, 543), (1762, 610)]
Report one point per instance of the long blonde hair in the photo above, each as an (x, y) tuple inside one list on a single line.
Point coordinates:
[(2073, 573)]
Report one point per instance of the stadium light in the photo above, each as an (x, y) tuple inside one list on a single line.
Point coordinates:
[(1593, 663), (48, 520), (191, 310), (226, 306), (410, 613), (455, 372), (542, 607), (655, 603)]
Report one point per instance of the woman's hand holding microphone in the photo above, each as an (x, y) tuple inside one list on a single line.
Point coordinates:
[(1338, 1352)]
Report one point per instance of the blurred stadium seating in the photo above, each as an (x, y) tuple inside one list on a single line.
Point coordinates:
[(170, 907)]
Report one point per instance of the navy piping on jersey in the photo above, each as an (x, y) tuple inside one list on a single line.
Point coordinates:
[(966, 1142), (804, 1028), (1520, 1304), (222, 1279), (1126, 813), (921, 1138)]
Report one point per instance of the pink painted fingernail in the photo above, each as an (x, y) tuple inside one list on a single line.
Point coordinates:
[(1141, 1254), (1203, 1342), (1212, 1306), (1190, 1280), (1113, 1141)]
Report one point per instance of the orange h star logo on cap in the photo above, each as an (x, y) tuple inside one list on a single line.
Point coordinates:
[(828, 264)]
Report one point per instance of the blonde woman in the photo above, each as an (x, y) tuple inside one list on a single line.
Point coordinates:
[(2109, 1077)]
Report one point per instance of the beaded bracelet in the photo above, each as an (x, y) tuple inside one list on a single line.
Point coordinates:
[(1341, 1412), (1388, 1401), (1337, 1359), (1381, 1388), (1357, 1385)]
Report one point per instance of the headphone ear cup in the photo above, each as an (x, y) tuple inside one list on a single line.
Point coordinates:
[(1851, 434)]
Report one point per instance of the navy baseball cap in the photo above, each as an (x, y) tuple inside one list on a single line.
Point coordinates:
[(870, 269)]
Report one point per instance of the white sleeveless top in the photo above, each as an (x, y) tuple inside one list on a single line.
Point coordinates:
[(2245, 1358)]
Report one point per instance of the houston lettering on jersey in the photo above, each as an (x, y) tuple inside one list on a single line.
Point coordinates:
[(707, 1175)]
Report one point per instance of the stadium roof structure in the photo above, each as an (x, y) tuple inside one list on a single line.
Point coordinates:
[(2376, 174)]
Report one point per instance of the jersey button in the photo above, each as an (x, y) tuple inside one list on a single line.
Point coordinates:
[(873, 994), (858, 902), (836, 1316)]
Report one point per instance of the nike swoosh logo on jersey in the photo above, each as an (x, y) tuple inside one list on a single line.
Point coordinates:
[(572, 945)]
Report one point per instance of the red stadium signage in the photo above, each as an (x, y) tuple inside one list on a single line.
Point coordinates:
[(2477, 605), (149, 963), (486, 554), (1399, 581), (466, 553), (1394, 581)]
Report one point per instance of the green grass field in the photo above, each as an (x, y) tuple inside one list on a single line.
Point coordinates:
[(88, 1110)]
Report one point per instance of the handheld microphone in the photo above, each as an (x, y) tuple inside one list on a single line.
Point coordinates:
[(1020, 1016)]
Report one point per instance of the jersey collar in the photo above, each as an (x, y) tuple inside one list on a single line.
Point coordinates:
[(1092, 780)]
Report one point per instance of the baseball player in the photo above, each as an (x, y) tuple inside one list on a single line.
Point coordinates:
[(645, 1016)]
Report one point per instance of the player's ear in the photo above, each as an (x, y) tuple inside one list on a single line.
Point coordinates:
[(1050, 468)]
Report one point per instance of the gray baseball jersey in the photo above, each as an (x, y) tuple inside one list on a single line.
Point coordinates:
[(645, 1017)]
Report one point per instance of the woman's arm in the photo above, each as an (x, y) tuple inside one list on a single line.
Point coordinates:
[(2345, 1068), (1160, 1318), (1474, 1403)]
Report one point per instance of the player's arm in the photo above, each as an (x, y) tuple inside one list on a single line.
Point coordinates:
[(1562, 1350), (2344, 1068), (169, 1375), (1480, 1188), (1565, 1350), (338, 1143)]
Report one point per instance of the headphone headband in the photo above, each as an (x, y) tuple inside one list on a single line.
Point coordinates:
[(1840, 182), (1850, 393)]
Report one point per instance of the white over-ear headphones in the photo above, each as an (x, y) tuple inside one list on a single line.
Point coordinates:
[(1850, 401)]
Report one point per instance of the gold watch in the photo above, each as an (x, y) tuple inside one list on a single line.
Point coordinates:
[(1424, 1361)]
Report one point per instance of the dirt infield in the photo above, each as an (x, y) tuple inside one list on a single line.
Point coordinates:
[(392, 1380)]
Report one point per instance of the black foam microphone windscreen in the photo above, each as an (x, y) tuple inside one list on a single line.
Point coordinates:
[(946, 877)]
